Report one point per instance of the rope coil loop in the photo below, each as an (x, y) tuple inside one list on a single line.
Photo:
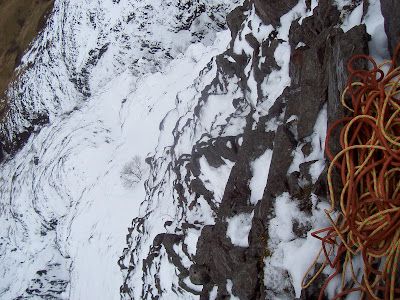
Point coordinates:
[(365, 220)]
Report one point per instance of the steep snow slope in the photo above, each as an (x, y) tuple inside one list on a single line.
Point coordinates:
[(235, 166), (85, 43), (91, 94)]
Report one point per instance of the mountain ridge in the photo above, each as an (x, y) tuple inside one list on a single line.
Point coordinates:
[(229, 126)]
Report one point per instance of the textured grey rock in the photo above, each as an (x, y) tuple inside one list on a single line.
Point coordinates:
[(224, 260), (235, 19), (318, 75), (391, 13), (271, 10), (199, 274)]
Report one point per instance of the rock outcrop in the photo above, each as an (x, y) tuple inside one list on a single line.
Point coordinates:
[(391, 13), (235, 124), (318, 73), (319, 50), (271, 11)]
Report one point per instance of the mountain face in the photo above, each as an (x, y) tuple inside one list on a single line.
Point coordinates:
[(175, 149), (82, 39), (20, 23)]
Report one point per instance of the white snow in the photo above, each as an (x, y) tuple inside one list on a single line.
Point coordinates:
[(289, 253), (375, 27), (275, 82), (273, 124), (181, 128), (314, 4), (300, 44), (139, 97), (80, 156), (229, 286), (374, 22), (292, 118), (342, 3), (317, 140), (255, 26), (260, 169), (298, 11), (353, 19), (215, 179), (316, 169), (191, 240), (238, 229), (213, 293)]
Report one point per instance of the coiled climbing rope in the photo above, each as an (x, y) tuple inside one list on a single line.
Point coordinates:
[(361, 247)]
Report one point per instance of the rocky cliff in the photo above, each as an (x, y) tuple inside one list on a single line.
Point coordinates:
[(288, 59), (229, 119)]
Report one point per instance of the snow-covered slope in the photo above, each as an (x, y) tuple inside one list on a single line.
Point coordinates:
[(85, 43), (224, 147), (93, 73)]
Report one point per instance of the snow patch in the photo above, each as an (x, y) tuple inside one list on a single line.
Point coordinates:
[(374, 21), (215, 179), (275, 82), (289, 254), (229, 286), (317, 140), (260, 169), (353, 19), (213, 293), (340, 4), (238, 229), (378, 45)]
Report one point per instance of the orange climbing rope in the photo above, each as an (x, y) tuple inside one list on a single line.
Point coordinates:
[(362, 245)]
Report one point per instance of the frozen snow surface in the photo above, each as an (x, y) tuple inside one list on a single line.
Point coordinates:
[(374, 21), (114, 87), (106, 73), (291, 254), (260, 169), (238, 229), (85, 43)]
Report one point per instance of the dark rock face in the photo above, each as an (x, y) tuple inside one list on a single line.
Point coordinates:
[(222, 259), (319, 51), (270, 11), (12, 146), (235, 19), (1, 154), (199, 274), (318, 72), (391, 13)]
